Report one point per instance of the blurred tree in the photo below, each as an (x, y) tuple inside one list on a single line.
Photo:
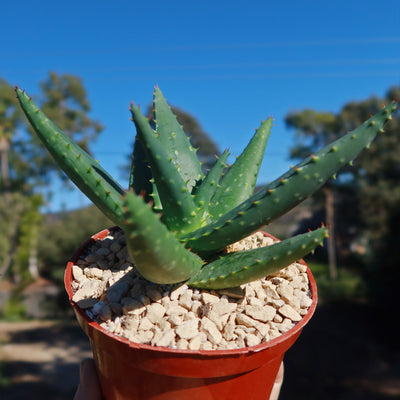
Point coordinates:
[(26, 262), (367, 194), (378, 202), (62, 233), (65, 102), (378, 170), (12, 207), (25, 166), (20, 221), (24, 161), (10, 119), (313, 131)]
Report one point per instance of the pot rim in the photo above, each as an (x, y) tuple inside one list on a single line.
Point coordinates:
[(207, 353)]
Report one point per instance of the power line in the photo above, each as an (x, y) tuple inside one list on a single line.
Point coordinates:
[(342, 75), (208, 47), (190, 67)]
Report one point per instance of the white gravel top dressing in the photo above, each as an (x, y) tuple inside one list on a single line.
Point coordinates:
[(108, 287)]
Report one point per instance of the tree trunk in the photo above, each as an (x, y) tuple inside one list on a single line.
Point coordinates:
[(330, 220), (4, 149), (33, 256)]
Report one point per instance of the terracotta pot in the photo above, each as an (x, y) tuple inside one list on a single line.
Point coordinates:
[(142, 372)]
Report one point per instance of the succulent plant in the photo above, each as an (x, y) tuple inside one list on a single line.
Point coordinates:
[(178, 220)]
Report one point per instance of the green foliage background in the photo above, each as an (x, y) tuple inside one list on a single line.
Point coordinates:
[(367, 206), (61, 234)]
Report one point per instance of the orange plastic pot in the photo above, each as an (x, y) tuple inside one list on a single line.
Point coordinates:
[(142, 372)]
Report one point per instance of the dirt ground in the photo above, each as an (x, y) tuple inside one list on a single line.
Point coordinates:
[(40, 358), (342, 354)]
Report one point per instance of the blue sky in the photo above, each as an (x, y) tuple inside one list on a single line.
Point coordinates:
[(229, 63)]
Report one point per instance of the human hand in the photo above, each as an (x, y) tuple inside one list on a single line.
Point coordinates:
[(277, 384), (89, 387)]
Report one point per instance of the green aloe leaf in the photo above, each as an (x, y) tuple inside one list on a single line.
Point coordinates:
[(87, 174), (238, 268), (175, 141), (238, 183), (208, 186), (140, 176), (287, 191), (179, 209), (157, 253)]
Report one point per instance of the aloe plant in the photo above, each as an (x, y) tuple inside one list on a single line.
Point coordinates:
[(178, 220)]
